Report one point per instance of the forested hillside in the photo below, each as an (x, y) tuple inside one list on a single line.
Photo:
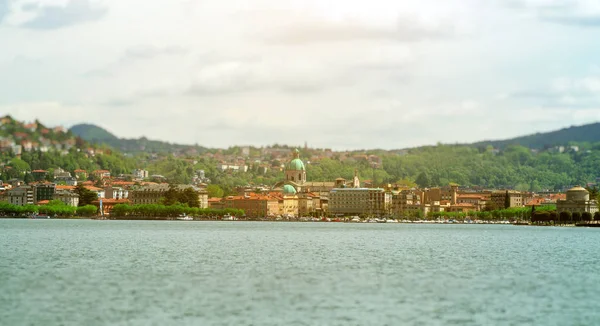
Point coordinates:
[(510, 166), (585, 133), (98, 135)]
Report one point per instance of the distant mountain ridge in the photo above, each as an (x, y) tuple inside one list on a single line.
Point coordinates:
[(96, 134), (584, 133)]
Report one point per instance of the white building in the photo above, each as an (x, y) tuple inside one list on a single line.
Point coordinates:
[(140, 174), (68, 197), (116, 193)]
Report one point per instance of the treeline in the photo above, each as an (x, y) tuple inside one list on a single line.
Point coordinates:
[(518, 213), (54, 208), (161, 211), (564, 217)]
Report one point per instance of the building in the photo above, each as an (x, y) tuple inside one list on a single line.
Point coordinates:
[(152, 194), (202, 197), (364, 201), (101, 174), (140, 174), (408, 202), (44, 192), (295, 170), (115, 193), (254, 205), (477, 201), (105, 206), (510, 198), (99, 191), (20, 196), (216, 203), (577, 200), (66, 196), (81, 174), (60, 173)]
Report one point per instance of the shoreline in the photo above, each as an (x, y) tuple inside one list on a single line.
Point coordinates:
[(305, 220), (366, 221)]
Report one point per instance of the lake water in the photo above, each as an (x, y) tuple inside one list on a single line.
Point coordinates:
[(86, 272)]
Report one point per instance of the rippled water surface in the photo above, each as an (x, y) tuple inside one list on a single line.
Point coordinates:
[(85, 272)]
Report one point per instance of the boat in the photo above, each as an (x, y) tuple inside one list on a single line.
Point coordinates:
[(185, 218), (229, 218), (391, 221), (40, 216)]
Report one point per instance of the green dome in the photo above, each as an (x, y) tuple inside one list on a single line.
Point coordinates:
[(289, 190), (296, 165)]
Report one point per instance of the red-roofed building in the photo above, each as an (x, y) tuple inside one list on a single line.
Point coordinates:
[(108, 204), (101, 174), (99, 191), (81, 174), (255, 205), (216, 203), (31, 126)]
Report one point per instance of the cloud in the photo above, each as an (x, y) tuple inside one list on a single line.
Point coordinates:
[(582, 13), (4, 9), (321, 31), (73, 13), (579, 93), (149, 51), (234, 77), (134, 54), (118, 102)]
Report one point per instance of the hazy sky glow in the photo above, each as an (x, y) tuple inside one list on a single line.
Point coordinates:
[(345, 74)]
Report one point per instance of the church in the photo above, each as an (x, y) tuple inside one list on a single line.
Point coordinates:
[(304, 198)]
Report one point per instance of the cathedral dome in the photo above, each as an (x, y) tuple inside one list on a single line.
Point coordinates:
[(296, 164), (289, 190)]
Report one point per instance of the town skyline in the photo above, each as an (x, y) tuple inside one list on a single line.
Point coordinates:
[(340, 74)]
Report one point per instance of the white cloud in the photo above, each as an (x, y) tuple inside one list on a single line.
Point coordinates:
[(342, 74)]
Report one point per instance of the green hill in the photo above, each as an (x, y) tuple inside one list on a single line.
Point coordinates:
[(98, 135), (92, 133), (586, 133)]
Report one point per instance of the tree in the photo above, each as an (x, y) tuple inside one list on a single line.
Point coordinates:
[(215, 191), (18, 168), (190, 196), (586, 216), (28, 178), (87, 210), (171, 196), (423, 180), (86, 197), (576, 216), (507, 200), (565, 217)]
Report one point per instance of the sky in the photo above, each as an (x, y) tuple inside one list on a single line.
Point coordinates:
[(341, 74)]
